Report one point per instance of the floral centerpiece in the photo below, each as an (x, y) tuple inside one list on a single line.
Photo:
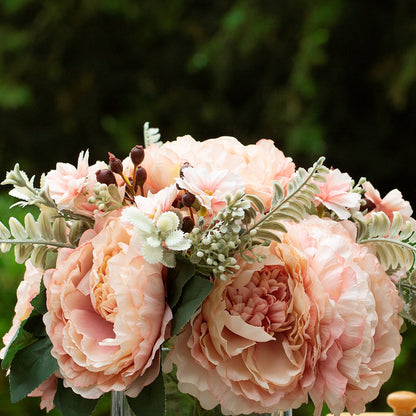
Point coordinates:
[(269, 285)]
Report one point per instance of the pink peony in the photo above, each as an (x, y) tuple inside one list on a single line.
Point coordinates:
[(257, 165), (392, 202), (28, 288), (107, 314), (319, 317), (336, 194)]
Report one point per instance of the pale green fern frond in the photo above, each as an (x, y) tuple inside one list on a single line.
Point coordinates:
[(36, 239), (394, 241), (292, 204), (151, 134)]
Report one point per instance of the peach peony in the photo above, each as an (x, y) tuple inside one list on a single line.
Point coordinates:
[(257, 165), (107, 314), (319, 317)]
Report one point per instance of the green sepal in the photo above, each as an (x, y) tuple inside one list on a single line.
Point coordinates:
[(151, 400), (31, 366), (71, 404), (193, 294), (177, 278)]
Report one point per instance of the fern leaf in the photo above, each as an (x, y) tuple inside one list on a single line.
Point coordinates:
[(257, 202)]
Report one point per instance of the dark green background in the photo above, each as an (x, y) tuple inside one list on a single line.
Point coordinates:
[(332, 77)]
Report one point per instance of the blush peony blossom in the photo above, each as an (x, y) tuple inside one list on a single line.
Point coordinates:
[(319, 317), (257, 165), (107, 314)]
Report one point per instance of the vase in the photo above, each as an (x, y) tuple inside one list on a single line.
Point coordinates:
[(282, 413), (119, 404)]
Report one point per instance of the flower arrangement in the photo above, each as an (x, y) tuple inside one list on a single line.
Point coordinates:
[(270, 284)]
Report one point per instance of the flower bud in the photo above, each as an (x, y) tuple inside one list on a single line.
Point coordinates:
[(187, 224), (137, 155), (106, 177), (188, 199), (115, 164), (141, 175), (369, 205)]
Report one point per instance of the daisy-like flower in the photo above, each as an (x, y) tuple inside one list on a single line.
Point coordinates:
[(336, 194), (210, 187), (153, 205), (158, 240), (392, 202)]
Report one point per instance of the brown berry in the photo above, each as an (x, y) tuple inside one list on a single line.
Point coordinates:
[(115, 164), (187, 224), (106, 177), (141, 175), (137, 155), (188, 199)]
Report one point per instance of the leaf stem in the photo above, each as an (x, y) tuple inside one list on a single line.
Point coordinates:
[(314, 168), (388, 240), (37, 242)]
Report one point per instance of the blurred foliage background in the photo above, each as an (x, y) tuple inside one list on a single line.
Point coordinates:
[(333, 77)]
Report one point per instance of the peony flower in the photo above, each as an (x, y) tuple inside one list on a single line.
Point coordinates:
[(319, 317), (336, 194), (257, 165), (28, 288), (392, 202), (107, 314), (210, 187)]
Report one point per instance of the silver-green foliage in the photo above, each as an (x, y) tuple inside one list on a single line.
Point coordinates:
[(38, 239), (24, 189), (293, 204), (394, 241)]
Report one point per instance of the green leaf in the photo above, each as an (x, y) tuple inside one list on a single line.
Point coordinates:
[(39, 301), (177, 278), (21, 340), (151, 400), (193, 294), (34, 324), (257, 202), (72, 404), (30, 367)]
